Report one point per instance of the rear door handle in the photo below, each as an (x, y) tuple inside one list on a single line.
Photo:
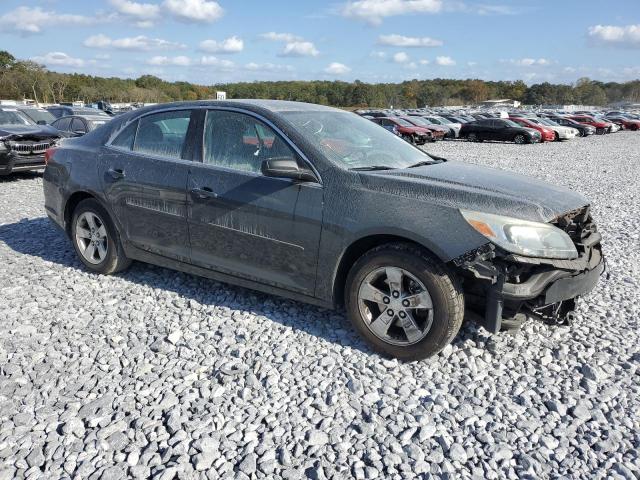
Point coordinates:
[(116, 173), (203, 193)]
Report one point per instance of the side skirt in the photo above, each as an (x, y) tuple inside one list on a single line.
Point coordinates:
[(143, 256)]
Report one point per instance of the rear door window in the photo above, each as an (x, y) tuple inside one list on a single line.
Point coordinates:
[(77, 125), (163, 134), (62, 124)]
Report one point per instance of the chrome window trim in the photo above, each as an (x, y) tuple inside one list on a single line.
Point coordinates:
[(207, 108)]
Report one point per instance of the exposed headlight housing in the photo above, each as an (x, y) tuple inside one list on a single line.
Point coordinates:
[(531, 239)]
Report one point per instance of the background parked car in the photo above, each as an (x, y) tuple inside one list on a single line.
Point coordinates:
[(23, 142), (39, 115), (546, 134), (561, 132), (498, 129), (65, 110), (625, 122), (437, 133), (408, 131), (584, 129), (600, 126), (78, 125)]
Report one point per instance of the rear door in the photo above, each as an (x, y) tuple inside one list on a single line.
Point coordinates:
[(145, 171), (243, 223)]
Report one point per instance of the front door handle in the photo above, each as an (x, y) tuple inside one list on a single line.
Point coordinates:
[(203, 193), (116, 173)]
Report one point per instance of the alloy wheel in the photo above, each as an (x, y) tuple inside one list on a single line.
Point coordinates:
[(91, 237), (395, 306), (519, 139)]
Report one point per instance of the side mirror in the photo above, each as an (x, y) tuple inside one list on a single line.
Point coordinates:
[(78, 132), (286, 167), (41, 122)]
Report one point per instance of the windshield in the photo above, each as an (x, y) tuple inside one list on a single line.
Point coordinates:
[(549, 123), (12, 117), (418, 121), (355, 142), (39, 115), (404, 123), (435, 120)]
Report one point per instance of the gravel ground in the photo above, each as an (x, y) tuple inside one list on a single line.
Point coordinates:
[(154, 373)]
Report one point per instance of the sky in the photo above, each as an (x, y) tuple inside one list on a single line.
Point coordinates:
[(209, 42)]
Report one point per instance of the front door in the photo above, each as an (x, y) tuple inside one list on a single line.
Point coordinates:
[(243, 223), (145, 171)]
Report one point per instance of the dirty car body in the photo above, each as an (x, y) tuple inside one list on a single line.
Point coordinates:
[(300, 231), (23, 142)]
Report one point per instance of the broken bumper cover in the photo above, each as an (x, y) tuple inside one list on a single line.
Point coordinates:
[(542, 291), (555, 286)]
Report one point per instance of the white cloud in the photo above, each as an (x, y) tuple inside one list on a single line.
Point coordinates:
[(374, 11), (143, 13), (624, 36), (194, 11), (211, 61), (300, 49), (267, 67), (395, 40), (378, 54), (424, 62), (59, 59), (529, 62), (140, 43), (281, 37), (180, 61), (445, 61), (27, 20), (401, 57), (336, 68), (228, 45)]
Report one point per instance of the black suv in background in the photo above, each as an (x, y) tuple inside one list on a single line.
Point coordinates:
[(500, 129), (323, 206)]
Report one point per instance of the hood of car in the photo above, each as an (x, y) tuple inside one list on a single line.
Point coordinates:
[(28, 132), (473, 187)]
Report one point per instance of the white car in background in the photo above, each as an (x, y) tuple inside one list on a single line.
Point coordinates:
[(563, 133), (438, 120)]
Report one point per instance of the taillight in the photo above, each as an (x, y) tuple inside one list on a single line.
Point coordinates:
[(48, 154)]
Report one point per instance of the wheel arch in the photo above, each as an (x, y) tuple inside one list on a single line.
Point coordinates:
[(74, 200), (362, 245)]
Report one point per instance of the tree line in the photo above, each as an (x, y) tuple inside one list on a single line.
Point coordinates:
[(21, 79)]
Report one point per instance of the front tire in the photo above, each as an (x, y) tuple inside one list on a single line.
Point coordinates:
[(96, 240), (520, 139), (404, 303)]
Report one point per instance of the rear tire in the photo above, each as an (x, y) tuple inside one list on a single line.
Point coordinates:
[(472, 137), (422, 316), (96, 240)]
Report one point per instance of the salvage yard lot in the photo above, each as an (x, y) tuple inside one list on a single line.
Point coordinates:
[(154, 372)]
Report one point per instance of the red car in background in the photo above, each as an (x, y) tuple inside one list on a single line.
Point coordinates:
[(600, 126), (438, 133), (407, 130), (625, 122), (546, 134)]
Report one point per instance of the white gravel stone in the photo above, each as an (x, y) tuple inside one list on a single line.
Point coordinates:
[(153, 373)]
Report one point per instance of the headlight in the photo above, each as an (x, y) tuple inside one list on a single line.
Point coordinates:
[(531, 239)]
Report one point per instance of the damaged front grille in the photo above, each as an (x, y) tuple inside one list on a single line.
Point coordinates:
[(29, 148)]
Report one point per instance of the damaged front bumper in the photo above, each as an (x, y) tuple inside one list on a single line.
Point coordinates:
[(501, 285), (11, 162)]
